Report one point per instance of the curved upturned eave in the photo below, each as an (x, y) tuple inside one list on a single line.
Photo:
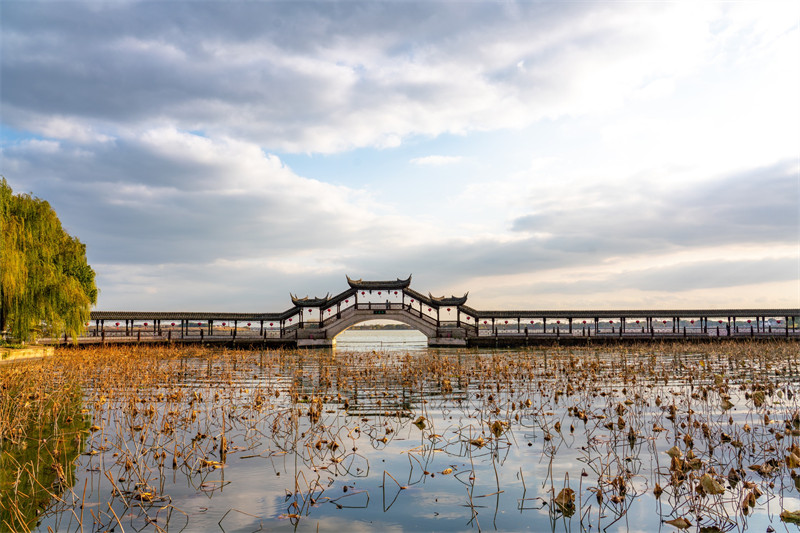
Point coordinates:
[(377, 285), (452, 301), (309, 302), (432, 301)]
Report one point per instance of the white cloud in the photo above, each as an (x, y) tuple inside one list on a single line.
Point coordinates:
[(325, 89), (436, 160), (72, 130), (656, 89), (615, 145), (43, 146)]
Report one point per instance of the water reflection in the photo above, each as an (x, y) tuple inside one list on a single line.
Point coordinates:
[(39, 466), (437, 440)]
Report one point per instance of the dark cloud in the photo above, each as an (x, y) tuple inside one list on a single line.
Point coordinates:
[(286, 75), (755, 206), (716, 274), (136, 203)]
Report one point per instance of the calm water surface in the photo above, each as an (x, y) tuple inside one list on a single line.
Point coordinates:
[(381, 340), (315, 446)]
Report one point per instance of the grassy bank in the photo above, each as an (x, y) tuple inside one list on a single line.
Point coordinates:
[(12, 353)]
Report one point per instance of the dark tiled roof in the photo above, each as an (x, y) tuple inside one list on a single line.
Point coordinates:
[(453, 301), (631, 313), (373, 285), (194, 315), (309, 302)]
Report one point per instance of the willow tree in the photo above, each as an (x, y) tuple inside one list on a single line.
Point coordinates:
[(45, 280)]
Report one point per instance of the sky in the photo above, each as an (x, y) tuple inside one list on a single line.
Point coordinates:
[(217, 156)]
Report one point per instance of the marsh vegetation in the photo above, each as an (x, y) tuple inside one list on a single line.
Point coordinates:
[(170, 439)]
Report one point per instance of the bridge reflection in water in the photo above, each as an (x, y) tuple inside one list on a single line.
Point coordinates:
[(445, 321)]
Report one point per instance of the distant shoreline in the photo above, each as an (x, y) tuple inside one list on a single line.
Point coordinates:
[(382, 326)]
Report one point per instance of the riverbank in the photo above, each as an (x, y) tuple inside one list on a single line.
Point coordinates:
[(8, 354)]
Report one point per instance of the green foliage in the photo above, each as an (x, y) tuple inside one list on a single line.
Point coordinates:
[(44, 277)]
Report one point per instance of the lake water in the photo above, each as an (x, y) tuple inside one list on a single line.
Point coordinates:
[(387, 340), (382, 433)]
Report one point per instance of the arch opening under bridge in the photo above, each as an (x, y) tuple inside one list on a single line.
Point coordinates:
[(383, 334), (402, 316)]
